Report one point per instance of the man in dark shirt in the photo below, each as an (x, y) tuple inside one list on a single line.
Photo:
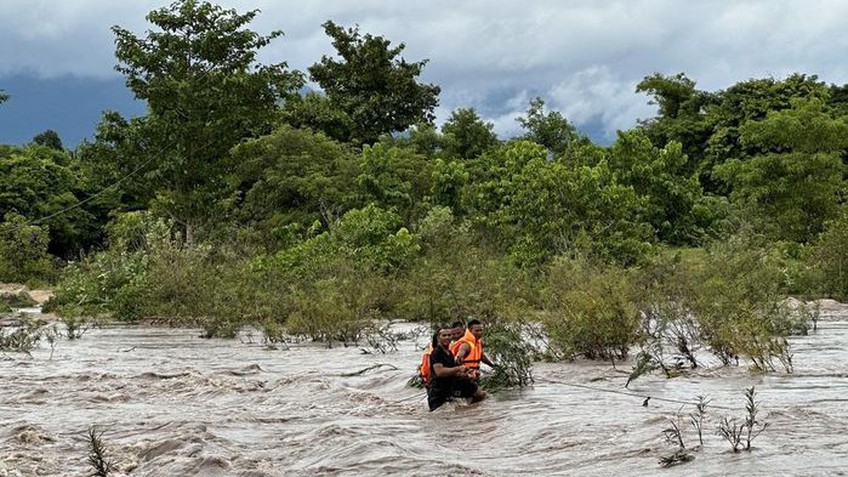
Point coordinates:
[(449, 379)]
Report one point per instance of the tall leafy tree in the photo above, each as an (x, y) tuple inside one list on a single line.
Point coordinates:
[(466, 135), (292, 178), (549, 129), (794, 187), (672, 198), (49, 138), (205, 93), (681, 115), (394, 177), (750, 100), (37, 183), (371, 85), (3, 96)]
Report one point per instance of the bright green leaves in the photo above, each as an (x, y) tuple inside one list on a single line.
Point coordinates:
[(793, 189), (205, 93), (393, 177)]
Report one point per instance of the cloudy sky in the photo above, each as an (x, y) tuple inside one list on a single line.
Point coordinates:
[(584, 57)]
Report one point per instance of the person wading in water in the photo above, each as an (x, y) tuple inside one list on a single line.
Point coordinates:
[(424, 371), (449, 379), (468, 350)]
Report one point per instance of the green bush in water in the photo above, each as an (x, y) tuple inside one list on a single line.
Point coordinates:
[(23, 338), (507, 346), (728, 299), (589, 311), (337, 308), (736, 292), (23, 252), (829, 259), (106, 283)]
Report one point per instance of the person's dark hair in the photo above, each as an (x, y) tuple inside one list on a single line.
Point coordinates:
[(436, 335), (458, 324), (473, 322)]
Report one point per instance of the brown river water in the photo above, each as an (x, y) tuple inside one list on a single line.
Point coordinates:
[(173, 404)]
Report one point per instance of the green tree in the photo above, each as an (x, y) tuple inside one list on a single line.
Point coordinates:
[(681, 116), (535, 208), (674, 202), (3, 96), (394, 177), (37, 183), (290, 179), (466, 135), (49, 138), (749, 100), (794, 187), (372, 86), (829, 259), (23, 251), (205, 92), (549, 129), (449, 180)]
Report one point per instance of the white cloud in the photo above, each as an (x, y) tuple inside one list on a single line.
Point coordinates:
[(583, 57)]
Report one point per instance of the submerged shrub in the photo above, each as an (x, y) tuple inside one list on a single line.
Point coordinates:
[(507, 346), (728, 300), (589, 310), (736, 294), (22, 338), (339, 305)]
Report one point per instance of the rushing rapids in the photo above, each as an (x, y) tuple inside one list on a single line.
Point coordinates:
[(170, 403)]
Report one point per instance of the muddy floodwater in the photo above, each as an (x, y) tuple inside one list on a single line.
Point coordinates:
[(173, 404)]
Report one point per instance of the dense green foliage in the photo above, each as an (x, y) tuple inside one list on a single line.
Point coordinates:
[(368, 90), (236, 201)]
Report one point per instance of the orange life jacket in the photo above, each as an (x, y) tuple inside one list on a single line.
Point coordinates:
[(424, 369), (475, 350)]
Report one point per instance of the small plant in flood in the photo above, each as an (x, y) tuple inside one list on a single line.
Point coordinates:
[(754, 427), (76, 327), (733, 431), (51, 335), (23, 339), (97, 458), (674, 436), (513, 355), (697, 417), (381, 338)]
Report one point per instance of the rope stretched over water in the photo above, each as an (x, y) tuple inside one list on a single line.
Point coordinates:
[(369, 368), (645, 397)]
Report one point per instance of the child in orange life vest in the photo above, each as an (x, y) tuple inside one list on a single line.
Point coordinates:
[(468, 350)]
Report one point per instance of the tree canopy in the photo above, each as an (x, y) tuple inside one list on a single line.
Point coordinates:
[(369, 89), (205, 93)]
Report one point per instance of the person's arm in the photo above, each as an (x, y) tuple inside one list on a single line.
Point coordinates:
[(485, 359), (462, 352), (443, 371)]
